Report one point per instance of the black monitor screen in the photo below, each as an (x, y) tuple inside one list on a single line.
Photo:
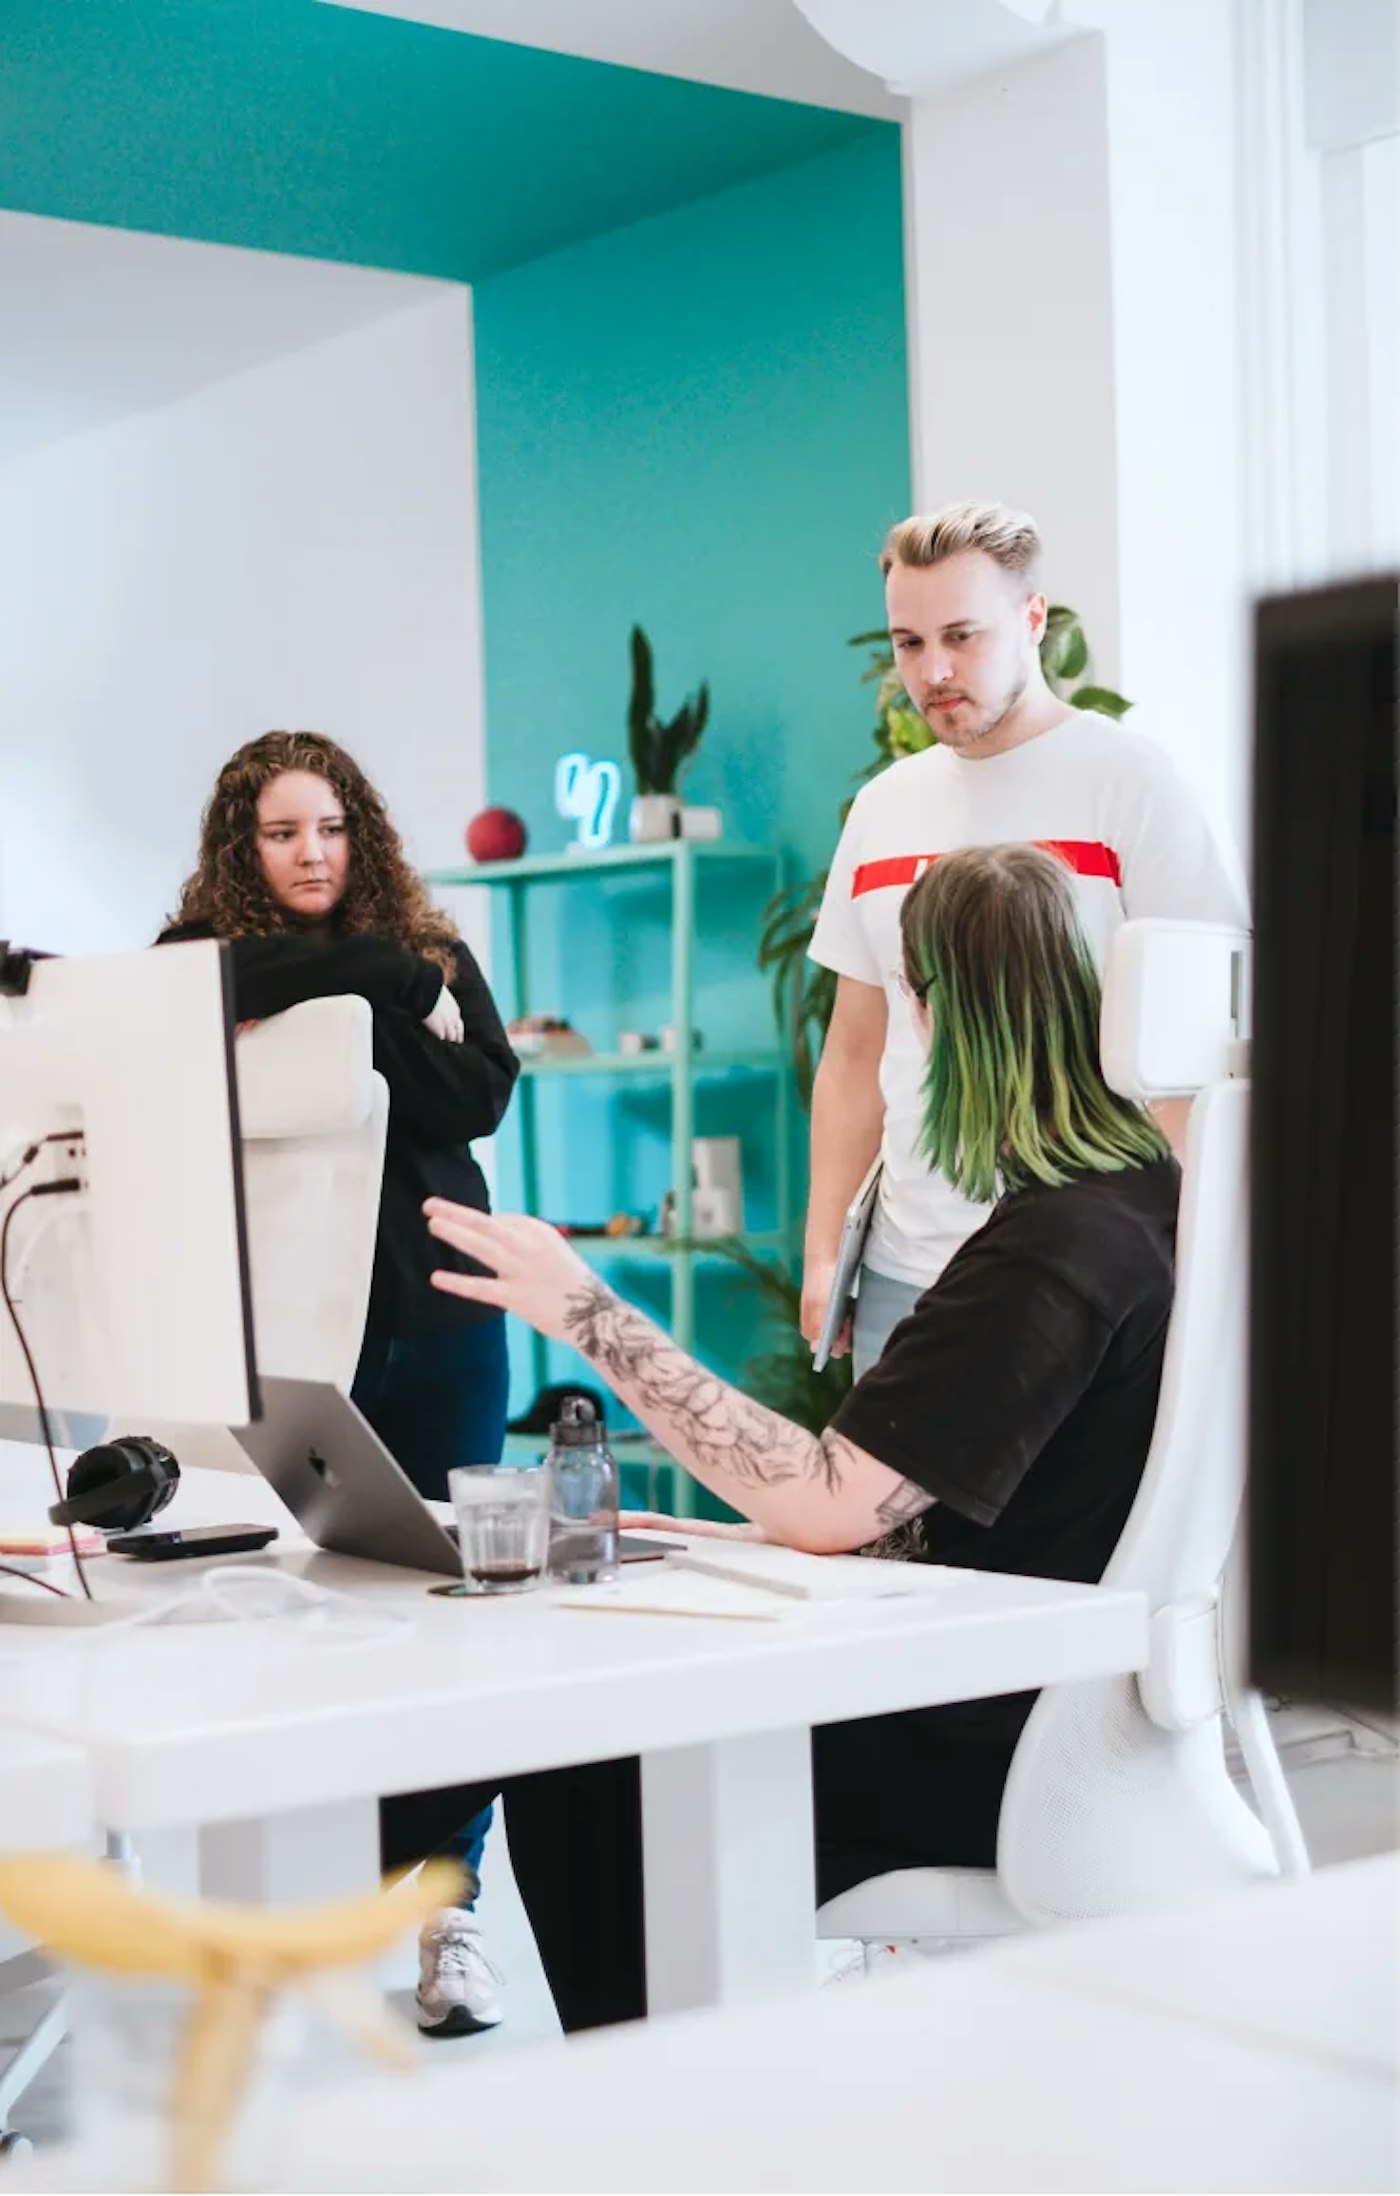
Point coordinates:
[(1322, 1490)]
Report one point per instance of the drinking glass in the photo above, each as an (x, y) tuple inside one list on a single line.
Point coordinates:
[(502, 1525)]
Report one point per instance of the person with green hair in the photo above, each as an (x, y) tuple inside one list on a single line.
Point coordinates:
[(1004, 1428)]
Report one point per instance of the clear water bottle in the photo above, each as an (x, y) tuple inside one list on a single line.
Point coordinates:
[(583, 1529)]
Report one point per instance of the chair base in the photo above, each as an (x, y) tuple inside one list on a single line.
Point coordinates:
[(27, 2064), (950, 1904)]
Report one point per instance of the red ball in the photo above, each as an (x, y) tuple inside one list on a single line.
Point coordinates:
[(496, 835)]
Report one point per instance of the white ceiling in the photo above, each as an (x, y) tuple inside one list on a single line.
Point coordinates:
[(99, 324), (746, 45)]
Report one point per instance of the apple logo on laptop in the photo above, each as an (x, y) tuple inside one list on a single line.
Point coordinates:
[(321, 1468)]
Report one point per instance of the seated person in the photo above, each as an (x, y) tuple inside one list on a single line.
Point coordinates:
[(1004, 1428)]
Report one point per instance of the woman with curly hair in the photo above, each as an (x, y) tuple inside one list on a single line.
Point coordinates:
[(302, 872)]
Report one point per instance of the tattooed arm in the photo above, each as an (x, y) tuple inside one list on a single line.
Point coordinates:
[(813, 1491)]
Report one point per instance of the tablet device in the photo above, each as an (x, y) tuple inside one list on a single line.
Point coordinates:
[(846, 1280)]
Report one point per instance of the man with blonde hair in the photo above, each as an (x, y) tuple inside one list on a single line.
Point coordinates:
[(1012, 763)]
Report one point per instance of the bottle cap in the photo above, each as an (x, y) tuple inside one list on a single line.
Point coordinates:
[(577, 1426)]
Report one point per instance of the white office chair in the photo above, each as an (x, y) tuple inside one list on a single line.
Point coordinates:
[(313, 1115), (1119, 1800)]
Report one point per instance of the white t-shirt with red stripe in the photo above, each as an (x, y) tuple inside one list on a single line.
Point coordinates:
[(1110, 802)]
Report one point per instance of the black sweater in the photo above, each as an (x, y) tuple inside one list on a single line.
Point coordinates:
[(440, 1095)]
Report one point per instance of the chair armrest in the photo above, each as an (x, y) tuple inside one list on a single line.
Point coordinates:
[(1182, 1684)]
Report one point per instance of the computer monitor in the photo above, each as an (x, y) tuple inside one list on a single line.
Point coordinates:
[(133, 1293), (1322, 1484)]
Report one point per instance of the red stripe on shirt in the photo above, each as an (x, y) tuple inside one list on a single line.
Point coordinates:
[(1086, 857)]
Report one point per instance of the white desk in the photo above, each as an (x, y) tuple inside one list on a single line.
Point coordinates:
[(45, 1794), (291, 1738), (1084, 2061)]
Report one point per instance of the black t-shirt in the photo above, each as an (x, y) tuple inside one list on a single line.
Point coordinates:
[(440, 1095), (1021, 1390)]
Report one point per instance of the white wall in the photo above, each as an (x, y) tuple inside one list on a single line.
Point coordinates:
[(1173, 185), (294, 547), (1073, 259), (1011, 311)]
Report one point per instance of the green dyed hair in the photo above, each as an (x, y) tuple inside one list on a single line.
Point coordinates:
[(1014, 1091)]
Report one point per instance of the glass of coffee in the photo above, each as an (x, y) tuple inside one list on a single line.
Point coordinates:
[(502, 1525)]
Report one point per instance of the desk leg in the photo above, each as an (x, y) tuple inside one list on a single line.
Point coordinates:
[(730, 1870), (299, 1858)]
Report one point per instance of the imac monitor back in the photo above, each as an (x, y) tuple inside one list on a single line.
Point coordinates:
[(134, 1292)]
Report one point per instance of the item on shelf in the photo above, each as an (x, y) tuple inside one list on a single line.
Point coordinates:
[(496, 835), (653, 816), (632, 1041), (659, 750), (717, 1193), (549, 1404), (670, 1035), (718, 1164), (713, 1215), (586, 793), (620, 1225), (547, 1036), (702, 823)]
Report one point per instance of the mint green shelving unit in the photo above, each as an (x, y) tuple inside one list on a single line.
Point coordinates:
[(687, 865)]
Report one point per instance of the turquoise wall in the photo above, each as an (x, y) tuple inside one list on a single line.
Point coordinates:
[(698, 423), (701, 423)]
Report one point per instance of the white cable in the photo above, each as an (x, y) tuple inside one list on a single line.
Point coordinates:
[(265, 1594)]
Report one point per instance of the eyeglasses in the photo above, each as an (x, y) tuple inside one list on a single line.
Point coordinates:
[(917, 994)]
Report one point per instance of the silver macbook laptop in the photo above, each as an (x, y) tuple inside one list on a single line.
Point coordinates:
[(348, 1493), (339, 1481)]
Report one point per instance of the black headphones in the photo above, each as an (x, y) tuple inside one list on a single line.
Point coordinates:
[(118, 1485)]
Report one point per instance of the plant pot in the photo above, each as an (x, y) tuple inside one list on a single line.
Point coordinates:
[(654, 816)]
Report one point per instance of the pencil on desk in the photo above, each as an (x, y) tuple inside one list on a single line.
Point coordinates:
[(658, 1609)]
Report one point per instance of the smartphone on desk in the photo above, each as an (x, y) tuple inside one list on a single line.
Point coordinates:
[(195, 1540)]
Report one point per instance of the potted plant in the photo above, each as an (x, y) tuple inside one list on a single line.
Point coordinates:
[(659, 750)]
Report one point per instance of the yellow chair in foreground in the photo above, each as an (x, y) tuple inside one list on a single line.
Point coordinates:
[(235, 1961)]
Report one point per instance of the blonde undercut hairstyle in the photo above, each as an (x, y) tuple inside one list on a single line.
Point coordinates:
[(1010, 538)]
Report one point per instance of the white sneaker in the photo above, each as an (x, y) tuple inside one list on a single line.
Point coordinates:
[(459, 1991)]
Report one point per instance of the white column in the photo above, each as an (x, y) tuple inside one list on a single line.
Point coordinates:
[(1075, 262), (1011, 312)]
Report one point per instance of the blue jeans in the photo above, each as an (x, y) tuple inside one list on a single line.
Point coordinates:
[(880, 1305), (437, 1400)]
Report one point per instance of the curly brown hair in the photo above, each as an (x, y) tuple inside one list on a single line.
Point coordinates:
[(383, 894)]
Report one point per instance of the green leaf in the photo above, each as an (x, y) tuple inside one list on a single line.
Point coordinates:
[(1101, 698), (1071, 653)]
